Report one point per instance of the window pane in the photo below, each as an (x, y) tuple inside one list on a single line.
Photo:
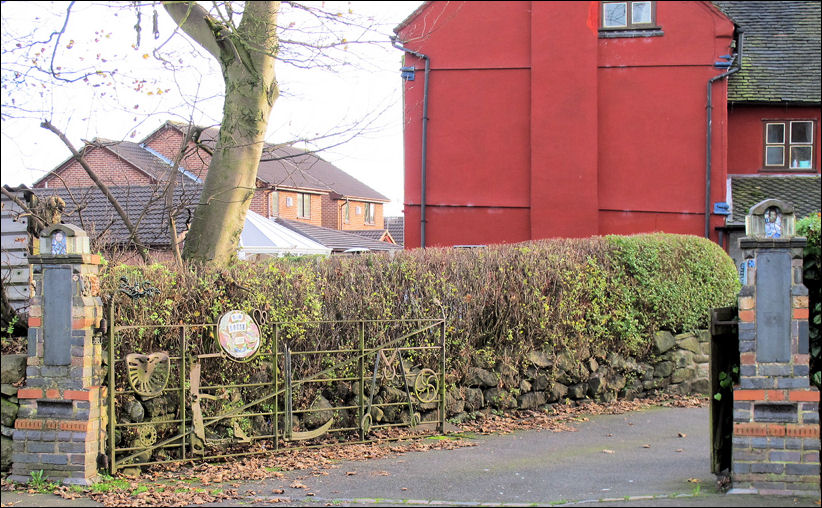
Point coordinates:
[(801, 157), (641, 12), (614, 14), (801, 132), (774, 156), (776, 133)]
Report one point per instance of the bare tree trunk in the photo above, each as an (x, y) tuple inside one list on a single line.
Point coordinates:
[(247, 55)]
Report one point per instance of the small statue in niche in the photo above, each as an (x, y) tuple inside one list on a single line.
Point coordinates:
[(773, 223), (58, 243)]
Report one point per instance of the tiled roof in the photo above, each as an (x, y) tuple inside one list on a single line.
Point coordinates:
[(137, 155), (336, 240), (88, 208), (373, 234), (292, 167), (781, 51), (396, 226), (801, 191)]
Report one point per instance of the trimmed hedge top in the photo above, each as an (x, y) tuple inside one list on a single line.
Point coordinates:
[(608, 294)]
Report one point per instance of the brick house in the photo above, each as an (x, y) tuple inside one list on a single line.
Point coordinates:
[(589, 118), (291, 183)]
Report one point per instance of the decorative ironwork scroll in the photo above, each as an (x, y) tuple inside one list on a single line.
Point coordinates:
[(288, 432), (138, 288)]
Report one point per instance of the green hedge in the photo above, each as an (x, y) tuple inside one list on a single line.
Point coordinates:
[(608, 294), (810, 228)]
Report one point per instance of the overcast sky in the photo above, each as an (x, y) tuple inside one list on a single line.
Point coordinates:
[(313, 102)]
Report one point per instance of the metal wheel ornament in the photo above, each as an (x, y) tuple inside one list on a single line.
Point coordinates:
[(148, 374), (426, 386), (146, 436)]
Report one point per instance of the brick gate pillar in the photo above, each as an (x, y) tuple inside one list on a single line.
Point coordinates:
[(59, 427), (776, 419)]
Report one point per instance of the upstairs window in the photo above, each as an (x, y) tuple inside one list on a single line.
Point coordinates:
[(789, 144), (304, 206), (274, 204), (628, 15), (369, 213)]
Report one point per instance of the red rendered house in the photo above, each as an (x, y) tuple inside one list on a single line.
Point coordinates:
[(571, 119)]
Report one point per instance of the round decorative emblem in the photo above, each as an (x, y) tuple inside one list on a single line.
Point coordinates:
[(239, 335)]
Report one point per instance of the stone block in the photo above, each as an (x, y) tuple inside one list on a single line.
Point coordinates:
[(663, 341), (688, 342), (12, 368), (531, 400), (681, 375), (480, 377), (663, 369)]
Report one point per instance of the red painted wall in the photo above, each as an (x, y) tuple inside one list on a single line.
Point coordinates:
[(746, 142), (538, 127)]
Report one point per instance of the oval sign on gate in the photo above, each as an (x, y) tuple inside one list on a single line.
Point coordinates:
[(238, 335)]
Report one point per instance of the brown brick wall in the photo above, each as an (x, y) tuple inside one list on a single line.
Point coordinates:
[(358, 219), (290, 212), (332, 217), (110, 168), (167, 142), (259, 202)]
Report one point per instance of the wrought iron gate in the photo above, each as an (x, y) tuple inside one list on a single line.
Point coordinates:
[(172, 406)]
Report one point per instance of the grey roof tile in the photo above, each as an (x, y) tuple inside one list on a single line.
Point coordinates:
[(293, 167), (396, 226), (88, 208), (336, 240), (801, 191), (781, 52)]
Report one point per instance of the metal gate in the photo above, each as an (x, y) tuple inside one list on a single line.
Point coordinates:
[(198, 403), (724, 373)]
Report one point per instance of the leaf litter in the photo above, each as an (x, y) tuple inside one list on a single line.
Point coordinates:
[(183, 484)]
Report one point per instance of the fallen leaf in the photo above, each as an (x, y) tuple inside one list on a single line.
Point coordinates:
[(646, 446), (298, 485), (607, 451), (277, 491), (693, 480), (679, 450), (609, 435), (350, 473), (309, 493), (682, 434), (403, 488)]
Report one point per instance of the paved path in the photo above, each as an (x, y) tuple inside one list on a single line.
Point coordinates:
[(634, 459), (657, 452)]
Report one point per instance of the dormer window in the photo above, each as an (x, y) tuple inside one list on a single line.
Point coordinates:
[(628, 15)]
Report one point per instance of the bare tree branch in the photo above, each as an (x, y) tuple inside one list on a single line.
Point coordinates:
[(105, 190)]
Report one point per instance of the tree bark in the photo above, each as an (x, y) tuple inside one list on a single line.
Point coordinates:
[(247, 57)]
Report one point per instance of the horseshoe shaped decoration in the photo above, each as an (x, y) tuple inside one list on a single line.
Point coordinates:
[(289, 434)]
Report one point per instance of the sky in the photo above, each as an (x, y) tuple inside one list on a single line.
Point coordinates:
[(362, 88)]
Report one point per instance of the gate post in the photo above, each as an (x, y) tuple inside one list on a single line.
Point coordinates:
[(59, 427), (776, 419)]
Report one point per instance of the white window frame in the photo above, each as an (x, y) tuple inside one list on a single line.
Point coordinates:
[(302, 198)]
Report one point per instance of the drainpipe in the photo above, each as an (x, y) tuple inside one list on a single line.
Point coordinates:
[(737, 58), (397, 44)]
